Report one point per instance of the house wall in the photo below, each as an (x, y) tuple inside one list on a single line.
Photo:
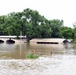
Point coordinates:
[(59, 40)]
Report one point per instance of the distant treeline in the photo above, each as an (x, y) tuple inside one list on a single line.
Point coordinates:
[(34, 25)]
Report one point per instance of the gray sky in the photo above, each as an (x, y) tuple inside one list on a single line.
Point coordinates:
[(51, 9)]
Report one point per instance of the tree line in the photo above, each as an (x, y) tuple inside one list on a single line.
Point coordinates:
[(34, 25)]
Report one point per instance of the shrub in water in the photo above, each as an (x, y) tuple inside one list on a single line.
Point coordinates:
[(32, 56)]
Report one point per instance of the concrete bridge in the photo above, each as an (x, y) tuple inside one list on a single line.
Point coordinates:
[(5, 38), (13, 37)]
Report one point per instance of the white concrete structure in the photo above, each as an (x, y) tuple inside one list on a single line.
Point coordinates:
[(5, 38), (8, 36)]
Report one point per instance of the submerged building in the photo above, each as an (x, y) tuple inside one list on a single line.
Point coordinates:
[(48, 40)]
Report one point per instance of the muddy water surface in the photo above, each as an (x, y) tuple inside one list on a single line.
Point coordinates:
[(62, 61)]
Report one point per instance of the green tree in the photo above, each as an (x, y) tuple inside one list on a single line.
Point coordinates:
[(34, 25), (74, 30), (67, 32), (55, 26)]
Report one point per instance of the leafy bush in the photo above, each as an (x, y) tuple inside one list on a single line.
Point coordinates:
[(32, 56)]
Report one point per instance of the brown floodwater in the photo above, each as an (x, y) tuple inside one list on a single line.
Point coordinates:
[(55, 59), (19, 51)]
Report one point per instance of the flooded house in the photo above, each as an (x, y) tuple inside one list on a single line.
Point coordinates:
[(48, 40)]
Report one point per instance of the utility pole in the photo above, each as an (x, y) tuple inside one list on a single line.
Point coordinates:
[(20, 43)]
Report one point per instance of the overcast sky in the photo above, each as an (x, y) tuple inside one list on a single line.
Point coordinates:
[(50, 9)]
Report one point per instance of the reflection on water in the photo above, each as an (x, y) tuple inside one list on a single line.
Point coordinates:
[(17, 51)]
